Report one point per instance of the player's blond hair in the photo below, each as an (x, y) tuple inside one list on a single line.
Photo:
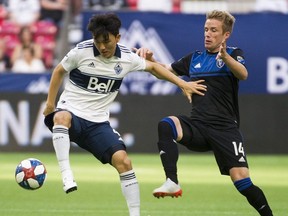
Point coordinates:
[(223, 16)]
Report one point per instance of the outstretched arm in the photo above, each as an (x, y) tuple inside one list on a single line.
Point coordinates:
[(55, 84), (188, 88), (148, 55), (166, 72)]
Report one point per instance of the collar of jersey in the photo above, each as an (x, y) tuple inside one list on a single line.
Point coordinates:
[(211, 53), (117, 51)]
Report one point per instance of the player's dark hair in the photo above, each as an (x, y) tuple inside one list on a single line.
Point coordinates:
[(103, 24)]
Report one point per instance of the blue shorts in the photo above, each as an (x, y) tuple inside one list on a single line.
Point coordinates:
[(100, 139)]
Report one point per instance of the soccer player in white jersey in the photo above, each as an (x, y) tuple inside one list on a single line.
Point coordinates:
[(96, 68)]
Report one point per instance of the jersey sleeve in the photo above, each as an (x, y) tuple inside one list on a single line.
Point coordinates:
[(238, 55), (69, 62), (181, 66), (138, 63)]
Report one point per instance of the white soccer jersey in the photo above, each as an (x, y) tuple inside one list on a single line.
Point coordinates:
[(94, 81)]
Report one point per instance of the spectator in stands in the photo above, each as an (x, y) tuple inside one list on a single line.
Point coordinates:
[(26, 40), (3, 11), (166, 6), (53, 10), (28, 63), (104, 4), (76, 9), (23, 12), (271, 6), (4, 58)]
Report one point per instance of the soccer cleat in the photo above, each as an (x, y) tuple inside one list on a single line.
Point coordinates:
[(70, 186), (169, 188)]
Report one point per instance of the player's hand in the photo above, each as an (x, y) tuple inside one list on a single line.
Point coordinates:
[(48, 109), (144, 53), (194, 87), (222, 51)]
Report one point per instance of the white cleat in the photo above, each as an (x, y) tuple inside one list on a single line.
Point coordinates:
[(169, 188), (69, 186)]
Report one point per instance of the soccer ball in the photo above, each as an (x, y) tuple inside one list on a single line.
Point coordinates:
[(30, 174)]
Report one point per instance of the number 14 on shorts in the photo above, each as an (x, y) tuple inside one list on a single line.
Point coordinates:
[(238, 148)]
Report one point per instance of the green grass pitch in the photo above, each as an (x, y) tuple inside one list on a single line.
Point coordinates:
[(205, 191)]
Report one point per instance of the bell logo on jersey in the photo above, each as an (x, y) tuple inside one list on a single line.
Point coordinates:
[(97, 86), (94, 84)]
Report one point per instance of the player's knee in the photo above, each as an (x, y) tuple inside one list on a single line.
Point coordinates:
[(62, 118), (127, 163), (121, 162), (124, 165), (167, 128), (237, 173)]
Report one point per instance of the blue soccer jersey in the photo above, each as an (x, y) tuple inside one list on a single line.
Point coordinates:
[(220, 103)]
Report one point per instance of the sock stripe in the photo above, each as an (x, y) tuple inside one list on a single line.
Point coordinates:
[(171, 123), (60, 130), (243, 184), (127, 176)]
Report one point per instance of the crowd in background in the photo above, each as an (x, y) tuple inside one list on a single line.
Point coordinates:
[(30, 29), (28, 33)]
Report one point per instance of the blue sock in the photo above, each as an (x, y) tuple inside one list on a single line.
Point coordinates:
[(243, 184), (168, 148), (254, 195)]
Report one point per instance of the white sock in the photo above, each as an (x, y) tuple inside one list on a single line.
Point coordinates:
[(131, 192), (61, 143)]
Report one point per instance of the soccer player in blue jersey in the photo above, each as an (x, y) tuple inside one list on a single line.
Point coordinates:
[(214, 120), (96, 68)]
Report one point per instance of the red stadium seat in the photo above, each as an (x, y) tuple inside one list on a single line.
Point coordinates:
[(45, 34), (11, 42), (44, 28), (48, 46), (132, 4), (3, 13), (48, 58), (45, 42), (9, 33), (9, 28)]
